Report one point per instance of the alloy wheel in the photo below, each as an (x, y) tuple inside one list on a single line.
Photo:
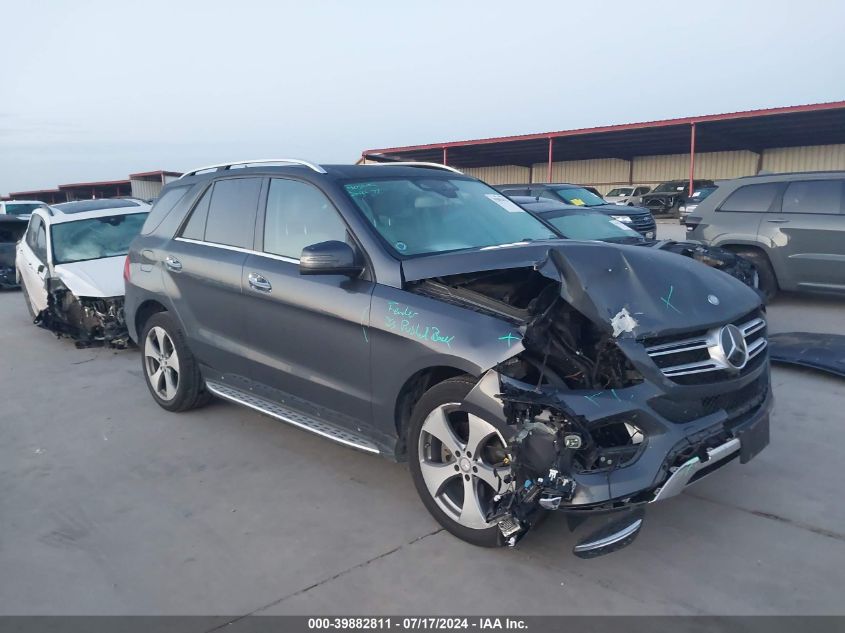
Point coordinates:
[(463, 463), (162, 363)]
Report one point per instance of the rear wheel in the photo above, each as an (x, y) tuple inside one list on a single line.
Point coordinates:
[(170, 369), (767, 282), (457, 462)]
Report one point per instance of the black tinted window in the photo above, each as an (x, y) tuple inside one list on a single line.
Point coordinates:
[(754, 198), (195, 228), (162, 207), (299, 215), (231, 215), (813, 196)]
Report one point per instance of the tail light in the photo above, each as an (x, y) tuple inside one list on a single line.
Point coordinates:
[(126, 269)]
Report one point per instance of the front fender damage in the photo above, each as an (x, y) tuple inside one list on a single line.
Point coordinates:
[(88, 321)]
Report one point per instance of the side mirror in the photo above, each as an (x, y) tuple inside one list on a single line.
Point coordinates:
[(330, 258)]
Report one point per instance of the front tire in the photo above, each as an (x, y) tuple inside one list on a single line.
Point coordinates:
[(170, 369), (456, 460)]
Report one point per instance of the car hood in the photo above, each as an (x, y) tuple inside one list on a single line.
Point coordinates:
[(649, 291), (613, 209), (93, 278), (646, 196)]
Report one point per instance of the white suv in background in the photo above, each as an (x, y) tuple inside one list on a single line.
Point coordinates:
[(627, 195), (21, 208)]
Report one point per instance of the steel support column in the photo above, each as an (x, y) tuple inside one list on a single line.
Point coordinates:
[(691, 158), (549, 167), (445, 155)]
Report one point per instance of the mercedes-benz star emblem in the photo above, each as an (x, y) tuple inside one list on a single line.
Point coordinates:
[(733, 346), (713, 299)]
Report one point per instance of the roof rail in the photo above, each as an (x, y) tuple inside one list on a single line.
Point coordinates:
[(257, 161), (411, 163)]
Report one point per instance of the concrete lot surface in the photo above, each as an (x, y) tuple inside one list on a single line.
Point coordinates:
[(110, 505)]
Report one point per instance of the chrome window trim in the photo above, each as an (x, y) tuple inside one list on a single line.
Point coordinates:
[(238, 249)]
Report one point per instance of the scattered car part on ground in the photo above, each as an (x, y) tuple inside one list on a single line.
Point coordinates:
[(579, 223), (516, 371), (12, 229), (824, 352), (628, 195), (638, 218), (667, 197), (792, 226), (70, 264)]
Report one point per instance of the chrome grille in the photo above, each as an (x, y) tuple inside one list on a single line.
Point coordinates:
[(703, 353)]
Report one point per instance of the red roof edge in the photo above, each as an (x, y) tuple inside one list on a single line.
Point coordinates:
[(745, 114)]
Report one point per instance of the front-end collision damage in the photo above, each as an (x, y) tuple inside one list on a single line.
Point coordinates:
[(87, 320), (573, 393), (715, 257)]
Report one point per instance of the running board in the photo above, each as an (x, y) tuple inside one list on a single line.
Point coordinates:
[(275, 410)]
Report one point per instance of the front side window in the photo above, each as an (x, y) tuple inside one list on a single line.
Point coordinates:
[(95, 238), (751, 198), (419, 216), (231, 214), (813, 196), (641, 191), (32, 231), (299, 215)]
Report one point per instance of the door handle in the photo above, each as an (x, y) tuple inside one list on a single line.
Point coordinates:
[(778, 221), (259, 283), (173, 264)]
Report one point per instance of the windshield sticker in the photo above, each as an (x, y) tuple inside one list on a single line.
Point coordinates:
[(400, 317), (696, 194), (505, 203), (363, 189), (577, 202)]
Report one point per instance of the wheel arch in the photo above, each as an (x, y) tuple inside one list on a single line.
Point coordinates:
[(147, 309)]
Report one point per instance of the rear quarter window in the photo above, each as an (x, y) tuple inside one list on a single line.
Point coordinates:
[(813, 196), (163, 206), (751, 198)]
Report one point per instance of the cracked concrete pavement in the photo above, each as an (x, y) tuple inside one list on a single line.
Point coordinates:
[(110, 505)]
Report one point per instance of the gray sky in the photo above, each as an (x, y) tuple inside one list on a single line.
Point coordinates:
[(96, 90)]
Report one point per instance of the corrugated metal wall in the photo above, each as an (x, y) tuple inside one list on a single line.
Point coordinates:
[(145, 189), (603, 170), (808, 158), (498, 174)]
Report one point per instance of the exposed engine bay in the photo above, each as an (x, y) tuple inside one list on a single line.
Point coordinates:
[(577, 406), (88, 320)]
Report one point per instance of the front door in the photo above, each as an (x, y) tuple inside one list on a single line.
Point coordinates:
[(808, 235), (32, 263), (308, 340)]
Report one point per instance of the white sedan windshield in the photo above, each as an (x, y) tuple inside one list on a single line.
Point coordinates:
[(82, 240)]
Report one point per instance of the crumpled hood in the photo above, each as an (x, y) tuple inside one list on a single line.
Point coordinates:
[(93, 278), (659, 292)]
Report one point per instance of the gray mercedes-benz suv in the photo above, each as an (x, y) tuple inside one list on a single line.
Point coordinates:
[(412, 311), (792, 226)]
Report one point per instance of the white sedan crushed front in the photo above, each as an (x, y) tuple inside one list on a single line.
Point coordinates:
[(70, 267)]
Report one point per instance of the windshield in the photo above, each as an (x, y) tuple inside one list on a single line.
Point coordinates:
[(22, 208), (419, 216), (701, 194), (621, 191), (579, 196), (82, 240), (670, 187), (78, 206), (590, 225)]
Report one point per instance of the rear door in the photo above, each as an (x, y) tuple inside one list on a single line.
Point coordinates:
[(737, 219), (807, 231), (202, 273), (32, 263), (306, 334)]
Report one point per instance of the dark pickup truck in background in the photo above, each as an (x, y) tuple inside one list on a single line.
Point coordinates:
[(667, 198)]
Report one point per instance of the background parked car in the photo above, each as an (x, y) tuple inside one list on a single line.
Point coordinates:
[(579, 223), (691, 203), (666, 197), (792, 226), (12, 229), (70, 265), (20, 208), (638, 218), (628, 195)]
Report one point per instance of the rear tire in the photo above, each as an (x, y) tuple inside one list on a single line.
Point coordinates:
[(451, 455), (768, 283), (170, 369)]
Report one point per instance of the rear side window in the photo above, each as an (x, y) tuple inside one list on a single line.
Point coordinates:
[(231, 214), (813, 196), (162, 207), (299, 215), (751, 198)]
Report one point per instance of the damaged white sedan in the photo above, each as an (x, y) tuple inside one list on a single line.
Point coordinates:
[(70, 267)]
